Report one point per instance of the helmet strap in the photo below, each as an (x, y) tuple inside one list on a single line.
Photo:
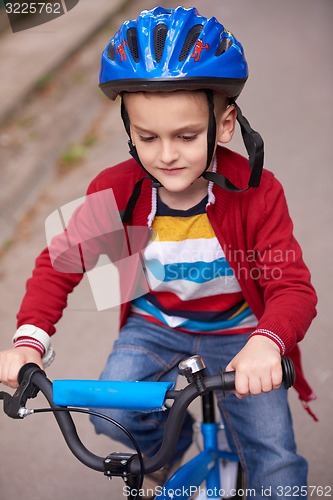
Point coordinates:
[(211, 131), (254, 145), (126, 215), (132, 149)]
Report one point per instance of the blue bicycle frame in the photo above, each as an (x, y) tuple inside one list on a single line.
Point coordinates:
[(204, 468)]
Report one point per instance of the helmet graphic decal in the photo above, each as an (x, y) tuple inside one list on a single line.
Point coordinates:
[(198, 48), (121, 50)]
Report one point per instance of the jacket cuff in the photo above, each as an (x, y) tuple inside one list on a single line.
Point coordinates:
[(36, 338), (272, 336), (30, 342)]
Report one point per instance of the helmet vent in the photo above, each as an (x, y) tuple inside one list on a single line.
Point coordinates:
[(132, 41), (160, 33), (224, 46), (111, 51), (190, 40)]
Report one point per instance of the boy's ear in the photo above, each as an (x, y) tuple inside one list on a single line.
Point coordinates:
[(226, 123)]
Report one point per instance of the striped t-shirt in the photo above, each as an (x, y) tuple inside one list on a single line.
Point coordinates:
[(198, 291)]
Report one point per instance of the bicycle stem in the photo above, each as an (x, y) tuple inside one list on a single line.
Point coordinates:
[(173, 426)]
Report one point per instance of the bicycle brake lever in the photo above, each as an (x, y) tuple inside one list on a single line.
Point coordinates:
[(12, 404)]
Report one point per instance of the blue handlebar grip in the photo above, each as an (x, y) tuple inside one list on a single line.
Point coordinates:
[(110, 394)]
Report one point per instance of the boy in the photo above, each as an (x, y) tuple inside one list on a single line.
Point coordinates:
[(233, 285)]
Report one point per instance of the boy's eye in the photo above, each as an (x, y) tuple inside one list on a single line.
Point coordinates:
[(147, 138), (188, 138), (151, 138)]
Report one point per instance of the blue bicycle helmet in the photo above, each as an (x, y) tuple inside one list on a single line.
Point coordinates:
[(178, 49), (173, 49)]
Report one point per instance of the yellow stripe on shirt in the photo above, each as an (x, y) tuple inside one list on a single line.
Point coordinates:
[(181, 228)]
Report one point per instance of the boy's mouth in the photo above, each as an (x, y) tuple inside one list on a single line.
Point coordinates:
[(171, 171)]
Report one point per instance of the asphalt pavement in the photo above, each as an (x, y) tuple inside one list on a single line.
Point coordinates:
[(57, 132)]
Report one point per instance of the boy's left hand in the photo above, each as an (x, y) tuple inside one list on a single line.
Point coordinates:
[(258, 367)]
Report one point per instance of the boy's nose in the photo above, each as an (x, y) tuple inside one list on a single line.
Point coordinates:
[(168, 153)]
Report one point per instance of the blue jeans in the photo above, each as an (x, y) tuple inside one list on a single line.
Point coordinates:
[(259, 428)]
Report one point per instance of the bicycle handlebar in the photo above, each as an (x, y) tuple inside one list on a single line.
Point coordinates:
[(32, 379)]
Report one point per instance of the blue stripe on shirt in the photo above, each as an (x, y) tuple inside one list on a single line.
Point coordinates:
[(196, 272)]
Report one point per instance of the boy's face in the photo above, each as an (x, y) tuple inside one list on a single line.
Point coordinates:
[(169, 131)]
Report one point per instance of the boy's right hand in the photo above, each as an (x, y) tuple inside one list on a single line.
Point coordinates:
[(12, 360)]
